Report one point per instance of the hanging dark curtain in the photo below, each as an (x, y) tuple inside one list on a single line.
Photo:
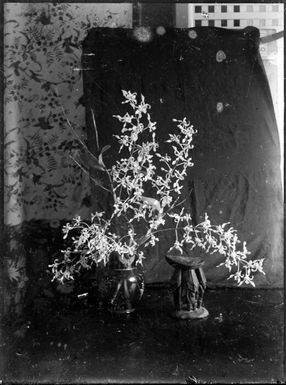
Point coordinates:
[(215, 78)]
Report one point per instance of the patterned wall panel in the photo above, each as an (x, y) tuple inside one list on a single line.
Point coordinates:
[(42, 45), (43, 117)]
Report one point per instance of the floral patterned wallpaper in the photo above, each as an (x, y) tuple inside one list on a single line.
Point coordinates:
[(42, 44), (43, 117)]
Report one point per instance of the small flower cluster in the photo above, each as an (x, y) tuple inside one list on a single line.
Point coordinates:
[(145, 216), (95, 244), (220, 239)]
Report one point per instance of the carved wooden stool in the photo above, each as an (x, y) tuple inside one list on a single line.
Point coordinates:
[(188, 284)]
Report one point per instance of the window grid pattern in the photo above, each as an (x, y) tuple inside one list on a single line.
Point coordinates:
[(236, 15), (224, 8)]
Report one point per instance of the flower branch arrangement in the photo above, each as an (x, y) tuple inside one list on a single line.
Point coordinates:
[(145, 188)]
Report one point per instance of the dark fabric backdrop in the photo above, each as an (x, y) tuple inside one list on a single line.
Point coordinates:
[(216, 79)]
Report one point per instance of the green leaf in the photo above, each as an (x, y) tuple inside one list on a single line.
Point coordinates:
[(100, 158), (91, 162), (154, 203)]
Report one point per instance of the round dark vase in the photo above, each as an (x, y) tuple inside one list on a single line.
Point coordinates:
[(123, 289)]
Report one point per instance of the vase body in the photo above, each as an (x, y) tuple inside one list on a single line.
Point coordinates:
[(123, 289)]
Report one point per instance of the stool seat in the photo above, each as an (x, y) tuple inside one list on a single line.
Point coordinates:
[(184, 261)]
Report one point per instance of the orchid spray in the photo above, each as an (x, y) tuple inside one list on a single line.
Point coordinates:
[(145, 216)]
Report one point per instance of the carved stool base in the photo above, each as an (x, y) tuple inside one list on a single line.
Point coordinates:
[(198, 313)]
